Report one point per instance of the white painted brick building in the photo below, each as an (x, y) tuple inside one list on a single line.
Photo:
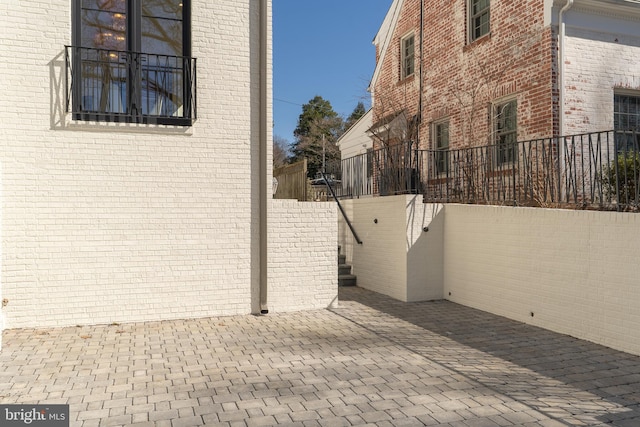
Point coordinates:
[(118, 218), (601, 64)]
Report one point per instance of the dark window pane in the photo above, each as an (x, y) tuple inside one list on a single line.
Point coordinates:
[(506, 132), (162, 84), (626, 112), (442, 147), (170, 9), (106, 5), (479, 18), (104, 30), (104, 82), (408, 46), (479, 6), (162, 36)]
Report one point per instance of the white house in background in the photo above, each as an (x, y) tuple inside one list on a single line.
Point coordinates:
[(601, 71), (137, 186), (356, 167), (356, 140)]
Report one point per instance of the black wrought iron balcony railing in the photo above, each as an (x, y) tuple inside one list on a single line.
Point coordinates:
[(123, 86)]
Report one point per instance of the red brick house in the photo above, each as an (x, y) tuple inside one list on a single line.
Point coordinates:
[(461, 73)]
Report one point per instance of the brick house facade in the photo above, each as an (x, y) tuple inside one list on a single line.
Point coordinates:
[(477, 72), (120, 201)]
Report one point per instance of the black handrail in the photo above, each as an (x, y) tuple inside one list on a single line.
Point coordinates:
[(344, 214)]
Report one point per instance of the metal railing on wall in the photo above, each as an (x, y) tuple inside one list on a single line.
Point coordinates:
[(385, 171), (596, 170), (126, 86)]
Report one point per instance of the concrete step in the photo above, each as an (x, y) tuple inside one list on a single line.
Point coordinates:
[(344, 269), (346, 280)]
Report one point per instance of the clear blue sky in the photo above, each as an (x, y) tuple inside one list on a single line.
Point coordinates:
[(322, 48)]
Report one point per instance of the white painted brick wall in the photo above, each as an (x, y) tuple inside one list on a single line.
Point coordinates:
[(380, 262), (106, 223), (597, 62), (576, 271), (303, 255), (397, 257), (424, 249)]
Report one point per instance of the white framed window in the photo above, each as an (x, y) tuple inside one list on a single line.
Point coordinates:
[(505, 126), (479, 13), (407, 56), (626, 119), (440, 138)]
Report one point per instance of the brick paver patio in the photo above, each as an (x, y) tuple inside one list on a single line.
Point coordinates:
[(373, 361)]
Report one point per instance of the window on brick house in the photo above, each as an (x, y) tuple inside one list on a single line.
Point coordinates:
[(130, 61), (505, 132), (626, 120), (407, 56), (479, 19), (441, 147)]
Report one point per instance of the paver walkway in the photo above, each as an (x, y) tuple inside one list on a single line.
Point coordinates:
[(373, 361)]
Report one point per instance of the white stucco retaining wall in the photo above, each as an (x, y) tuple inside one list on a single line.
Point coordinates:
[(574, 272)]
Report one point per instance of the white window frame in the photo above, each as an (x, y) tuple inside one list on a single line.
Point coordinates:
[(441, 151), (505, 136), (405, 56), (627, 132), (472, 20)]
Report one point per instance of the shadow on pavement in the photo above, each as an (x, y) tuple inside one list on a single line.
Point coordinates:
[(560, 376)]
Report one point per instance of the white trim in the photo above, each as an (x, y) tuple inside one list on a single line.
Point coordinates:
[(626, 91), (470, 39), (494, 126), (383, 39), (434, 143), (403, 39), (351, 129), (626, 9)]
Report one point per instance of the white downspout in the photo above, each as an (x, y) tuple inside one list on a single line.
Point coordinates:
[(264, 143), (561, 60), (561, 94)]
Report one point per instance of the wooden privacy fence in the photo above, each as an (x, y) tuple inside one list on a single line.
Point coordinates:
[(292, 181)]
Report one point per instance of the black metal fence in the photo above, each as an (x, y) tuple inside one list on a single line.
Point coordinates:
[(111, 85), (596, 170), (386, 171)]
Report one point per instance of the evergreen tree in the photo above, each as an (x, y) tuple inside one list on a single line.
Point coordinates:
[(319, 127), (357, 113)]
